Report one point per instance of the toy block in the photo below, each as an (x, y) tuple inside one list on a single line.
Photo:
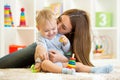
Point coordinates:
[(103, 19)]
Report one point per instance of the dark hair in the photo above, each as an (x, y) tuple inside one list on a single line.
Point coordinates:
[(80, 35)]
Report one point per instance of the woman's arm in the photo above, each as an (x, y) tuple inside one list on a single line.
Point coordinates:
[(20, 58)]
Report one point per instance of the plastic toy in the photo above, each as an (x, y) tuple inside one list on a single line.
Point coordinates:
[(15, 47), (103, 46), (22, 18), (8, 20), (33, 69), (72, 62), (57, 8), (61, 39), (98, 49)]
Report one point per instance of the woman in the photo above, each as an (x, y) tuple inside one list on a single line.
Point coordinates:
[(75, 25)]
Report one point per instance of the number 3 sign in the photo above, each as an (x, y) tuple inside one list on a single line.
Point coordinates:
[(103, 19)]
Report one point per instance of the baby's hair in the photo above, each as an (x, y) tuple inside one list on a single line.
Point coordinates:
[(43, 16)]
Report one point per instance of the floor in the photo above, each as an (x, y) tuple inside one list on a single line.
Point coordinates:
[(26, 74)]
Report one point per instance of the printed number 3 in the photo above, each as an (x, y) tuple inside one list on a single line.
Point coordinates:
[(103, 19)]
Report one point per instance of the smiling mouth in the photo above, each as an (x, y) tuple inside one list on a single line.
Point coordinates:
[(51, 35)]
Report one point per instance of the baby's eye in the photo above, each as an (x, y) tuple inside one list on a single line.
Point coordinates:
[(46, 30), (53, 29)]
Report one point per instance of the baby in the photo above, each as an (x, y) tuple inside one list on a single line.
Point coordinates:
[(48, 39)]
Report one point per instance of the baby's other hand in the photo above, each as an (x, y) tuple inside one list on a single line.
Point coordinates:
[(63, 39), (37, 67)]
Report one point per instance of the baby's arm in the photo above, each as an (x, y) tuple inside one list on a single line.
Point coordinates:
[(63, 39), (41, 49), (40, 55), (66, 44)]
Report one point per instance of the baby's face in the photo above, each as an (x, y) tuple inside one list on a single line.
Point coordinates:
[(49, 31)]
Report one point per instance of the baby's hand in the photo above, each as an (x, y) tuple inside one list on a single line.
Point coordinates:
[(63, 39), (37, 67)]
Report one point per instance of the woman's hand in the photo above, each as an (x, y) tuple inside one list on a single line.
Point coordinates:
[(55, 56)]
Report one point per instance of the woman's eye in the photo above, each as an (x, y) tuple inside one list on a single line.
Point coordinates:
[(63, 26)]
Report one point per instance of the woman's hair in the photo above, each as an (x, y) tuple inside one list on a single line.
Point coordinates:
[(80, 36)]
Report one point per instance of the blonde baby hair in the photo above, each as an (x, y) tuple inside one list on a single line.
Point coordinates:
[(43, 16)]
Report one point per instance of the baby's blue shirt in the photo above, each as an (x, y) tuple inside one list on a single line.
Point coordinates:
[(53, 44)]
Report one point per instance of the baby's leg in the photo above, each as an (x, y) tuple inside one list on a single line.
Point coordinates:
[(48, 66), (52, 67)]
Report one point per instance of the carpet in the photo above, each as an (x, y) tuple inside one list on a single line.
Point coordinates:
[(26, 74)]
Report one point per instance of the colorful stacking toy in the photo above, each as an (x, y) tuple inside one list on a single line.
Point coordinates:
[(8, 21), (22, 18), (72, 62)]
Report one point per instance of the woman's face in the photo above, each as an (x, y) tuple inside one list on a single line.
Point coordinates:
[(64, 24)]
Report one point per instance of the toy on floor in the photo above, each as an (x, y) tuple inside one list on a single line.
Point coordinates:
[(33, 68), (72, 62)]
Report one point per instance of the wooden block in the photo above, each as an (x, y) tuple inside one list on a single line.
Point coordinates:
[(103, 19)]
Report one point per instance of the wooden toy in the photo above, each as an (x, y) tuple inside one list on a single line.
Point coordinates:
[(14, 47), (57, 8), (72, 62), (22, 18), (8, 20), (61, 39), (103, 19)]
